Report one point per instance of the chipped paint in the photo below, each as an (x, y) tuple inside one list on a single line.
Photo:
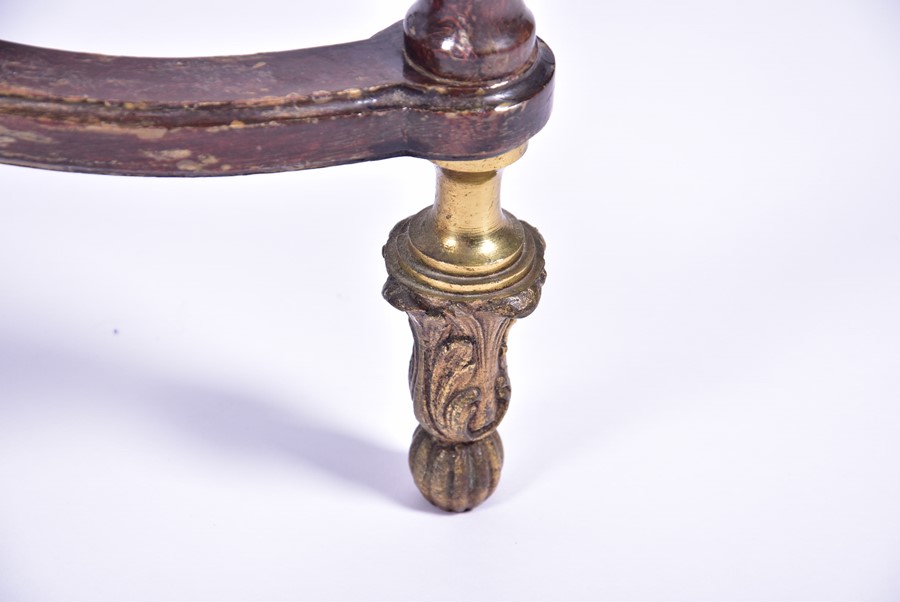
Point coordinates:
[(202, 162), (321, 96), (22, 136), (149, 133), (174, 154), (143, 133), (188, 165)]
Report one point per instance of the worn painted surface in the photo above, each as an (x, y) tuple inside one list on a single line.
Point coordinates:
[(255, 113)]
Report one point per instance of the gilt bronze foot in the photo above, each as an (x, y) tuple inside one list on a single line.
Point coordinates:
[(463, 270)]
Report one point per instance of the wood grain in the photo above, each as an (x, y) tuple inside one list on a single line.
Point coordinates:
[(257, 113)]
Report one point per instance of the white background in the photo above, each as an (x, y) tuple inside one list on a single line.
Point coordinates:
[(203, 396)]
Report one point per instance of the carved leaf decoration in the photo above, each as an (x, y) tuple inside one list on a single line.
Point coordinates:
[(458, 377), (453, 368), (415, 362), (502, 389)]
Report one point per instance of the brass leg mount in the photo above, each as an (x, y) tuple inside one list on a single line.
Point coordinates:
[(463, 270)]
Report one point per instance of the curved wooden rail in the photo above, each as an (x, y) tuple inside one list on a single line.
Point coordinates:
[(257, 113)]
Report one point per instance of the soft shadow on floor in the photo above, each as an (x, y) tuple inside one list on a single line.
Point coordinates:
[(234, 421)]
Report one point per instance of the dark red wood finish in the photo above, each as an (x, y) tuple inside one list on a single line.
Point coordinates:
[(282, 111), (466, 40)]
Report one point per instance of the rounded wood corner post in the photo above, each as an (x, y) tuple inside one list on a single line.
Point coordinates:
[(464, 269)]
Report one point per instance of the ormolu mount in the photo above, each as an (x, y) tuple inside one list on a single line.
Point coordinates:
[(464, 83)]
